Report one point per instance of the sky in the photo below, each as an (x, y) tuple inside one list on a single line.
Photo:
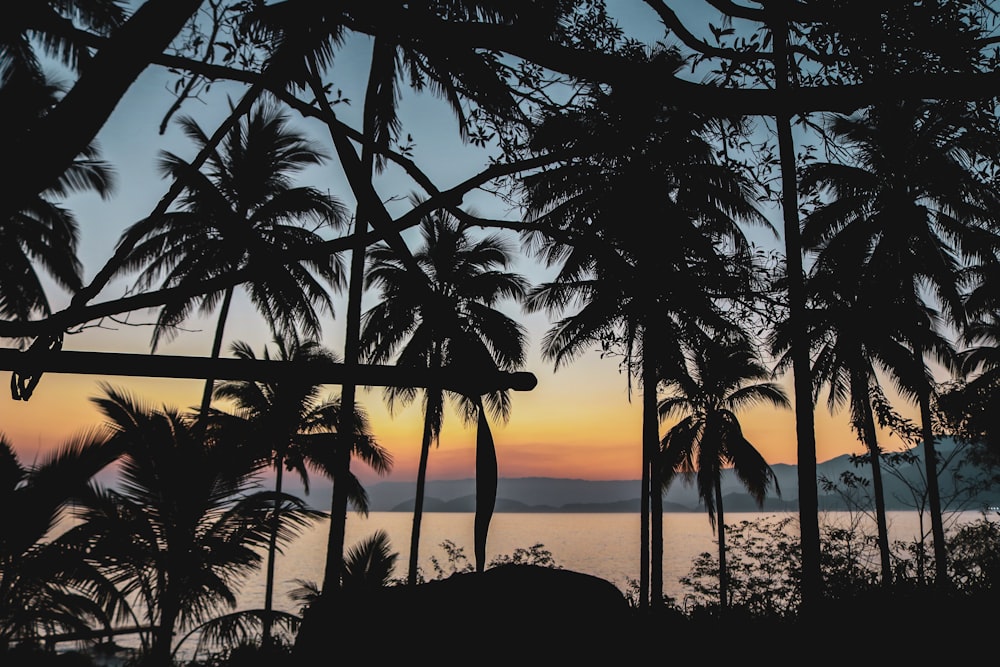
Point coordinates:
[(580, 421)]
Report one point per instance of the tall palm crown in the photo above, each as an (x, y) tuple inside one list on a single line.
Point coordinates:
[(447, 316), (909, 211), (242, 210), (43, 233), (642, 163), (910, 203)]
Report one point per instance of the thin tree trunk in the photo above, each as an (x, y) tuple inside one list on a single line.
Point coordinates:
[(272, 551), (644, 511), (933, 492), (721, 528), (870, 439), (206, 394), (651, 448), (801, 370), (333, 572), (430, 409), (352, 334)]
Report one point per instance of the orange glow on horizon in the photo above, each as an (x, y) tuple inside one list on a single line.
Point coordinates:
[(582, 427)]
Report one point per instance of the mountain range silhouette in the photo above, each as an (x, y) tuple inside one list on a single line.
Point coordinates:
[(903, 483)]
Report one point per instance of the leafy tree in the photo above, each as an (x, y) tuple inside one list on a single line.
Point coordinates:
[(445, 316), (974, 556), (765, 565), (720, 379)]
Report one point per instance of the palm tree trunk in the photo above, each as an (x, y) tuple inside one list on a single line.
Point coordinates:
[(272, 551), (341, 469), (933, 492), (418, 501), (206, 395), (801, 370), (352, 337), (878, 488), (161, 651), (645, 485), (651, 448), (721, 527)]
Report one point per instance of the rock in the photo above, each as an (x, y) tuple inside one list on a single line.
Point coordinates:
[(509, 612)]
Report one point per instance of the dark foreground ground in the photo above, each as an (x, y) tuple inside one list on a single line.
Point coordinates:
[(517, 615), (530, 615)]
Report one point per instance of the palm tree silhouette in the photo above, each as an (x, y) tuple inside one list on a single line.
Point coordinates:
[(42, 26), (851, 356), (720, 379), (42, 233), (910, 209), (186, 522), (297, 428), (47, 584), (405, 48), (647, 165), (236, 213), (445, 316)]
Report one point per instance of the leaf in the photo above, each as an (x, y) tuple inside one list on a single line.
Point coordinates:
[(486, 486)]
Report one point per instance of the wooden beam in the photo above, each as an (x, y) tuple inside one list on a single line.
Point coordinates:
[(462, 380)]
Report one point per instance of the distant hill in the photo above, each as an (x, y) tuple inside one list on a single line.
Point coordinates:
[(547, 494)]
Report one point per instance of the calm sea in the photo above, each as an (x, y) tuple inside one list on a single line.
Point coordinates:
[(604, 545)]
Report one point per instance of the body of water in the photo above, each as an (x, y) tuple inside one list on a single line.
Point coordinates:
[(605, 545)]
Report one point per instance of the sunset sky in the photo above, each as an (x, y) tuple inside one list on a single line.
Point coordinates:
[(578, 422)]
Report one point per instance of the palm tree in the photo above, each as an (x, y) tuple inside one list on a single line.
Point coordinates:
[(237, 213), (912, 207), (721, 378), (447, 315), (850, 356), (47, 585), (405, 46), (42, 233), (369, 563), (42, 25), (646, 164), (297, 429), (185, 523)]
